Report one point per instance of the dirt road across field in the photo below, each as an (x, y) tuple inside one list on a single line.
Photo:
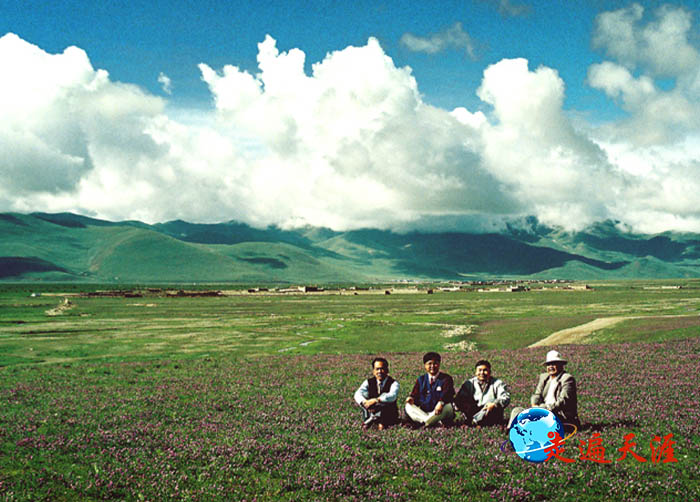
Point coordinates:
[(579, 334)]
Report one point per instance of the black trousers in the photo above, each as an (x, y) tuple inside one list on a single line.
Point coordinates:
[(386, 413)]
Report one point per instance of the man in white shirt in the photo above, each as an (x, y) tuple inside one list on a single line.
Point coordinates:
[(483, 398), (377, 397)]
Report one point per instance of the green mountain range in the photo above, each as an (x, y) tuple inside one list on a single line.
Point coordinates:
[(70, 247)]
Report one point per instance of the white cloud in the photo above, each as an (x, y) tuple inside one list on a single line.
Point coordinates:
[(507, 8), (656, 116), (615, 32), (662, 46), (453, 37), (354, 138), (663, 183), (165, 83), (54, 106), (658, 143), (532, 147), (353, 144)]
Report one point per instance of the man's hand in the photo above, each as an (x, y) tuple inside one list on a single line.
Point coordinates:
[(370, 402), (438, 408), (488, 407), (409, 400)]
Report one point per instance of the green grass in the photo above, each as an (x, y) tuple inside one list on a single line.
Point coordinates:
[(650, 330), (249, 396), (250, 325)]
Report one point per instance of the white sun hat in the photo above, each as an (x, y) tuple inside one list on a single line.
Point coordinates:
[(554, 357)]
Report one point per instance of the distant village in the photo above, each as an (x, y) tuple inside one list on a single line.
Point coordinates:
[(452, 286), (399, 287)]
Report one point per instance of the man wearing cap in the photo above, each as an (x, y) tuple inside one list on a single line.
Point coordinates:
[(431, 399), (377, 397), (483, 398), (555, 391)]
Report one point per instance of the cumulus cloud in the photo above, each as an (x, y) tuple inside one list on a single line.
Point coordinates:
[(662, 46), (353, 144), (662, 194), (353, 138), (532, 146), (453, 37), (655, 116), (350, 145), (643, 53), (658, 141), (55, 107)]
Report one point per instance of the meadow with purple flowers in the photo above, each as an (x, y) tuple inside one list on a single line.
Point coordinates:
[(283, 426)]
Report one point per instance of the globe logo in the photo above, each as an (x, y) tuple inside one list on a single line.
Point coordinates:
[(531, 431)]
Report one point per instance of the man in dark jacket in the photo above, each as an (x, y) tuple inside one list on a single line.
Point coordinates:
[(377, 397), (431, 399)]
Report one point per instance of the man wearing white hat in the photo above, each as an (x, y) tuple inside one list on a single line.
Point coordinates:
[(555, 391)]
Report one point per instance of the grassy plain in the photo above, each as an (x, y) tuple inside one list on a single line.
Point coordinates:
[(249, 396), (153, 326)]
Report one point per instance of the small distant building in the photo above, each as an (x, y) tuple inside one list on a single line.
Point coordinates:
[(288, 290), (257, 290), (580, 287), (309, 289), (505, 289), (517, 289)]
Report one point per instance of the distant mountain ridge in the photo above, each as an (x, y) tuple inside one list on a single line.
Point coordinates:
[(71, 247)]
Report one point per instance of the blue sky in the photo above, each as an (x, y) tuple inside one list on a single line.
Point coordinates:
[(136, 41), (592, 90)]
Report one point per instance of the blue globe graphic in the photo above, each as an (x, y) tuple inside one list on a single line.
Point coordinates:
[(528, 433)]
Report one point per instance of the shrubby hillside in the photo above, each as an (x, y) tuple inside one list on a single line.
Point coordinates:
[(70, 247)]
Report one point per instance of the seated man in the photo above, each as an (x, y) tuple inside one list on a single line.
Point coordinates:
[(483, 398), (377, 397), (555, 391), (431, 399)]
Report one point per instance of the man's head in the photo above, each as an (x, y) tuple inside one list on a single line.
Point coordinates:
[(431, 362), (482, 370), (554, 363), (554, 369), (380, 368)]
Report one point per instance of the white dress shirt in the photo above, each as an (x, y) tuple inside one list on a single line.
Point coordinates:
[(362, 394)]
